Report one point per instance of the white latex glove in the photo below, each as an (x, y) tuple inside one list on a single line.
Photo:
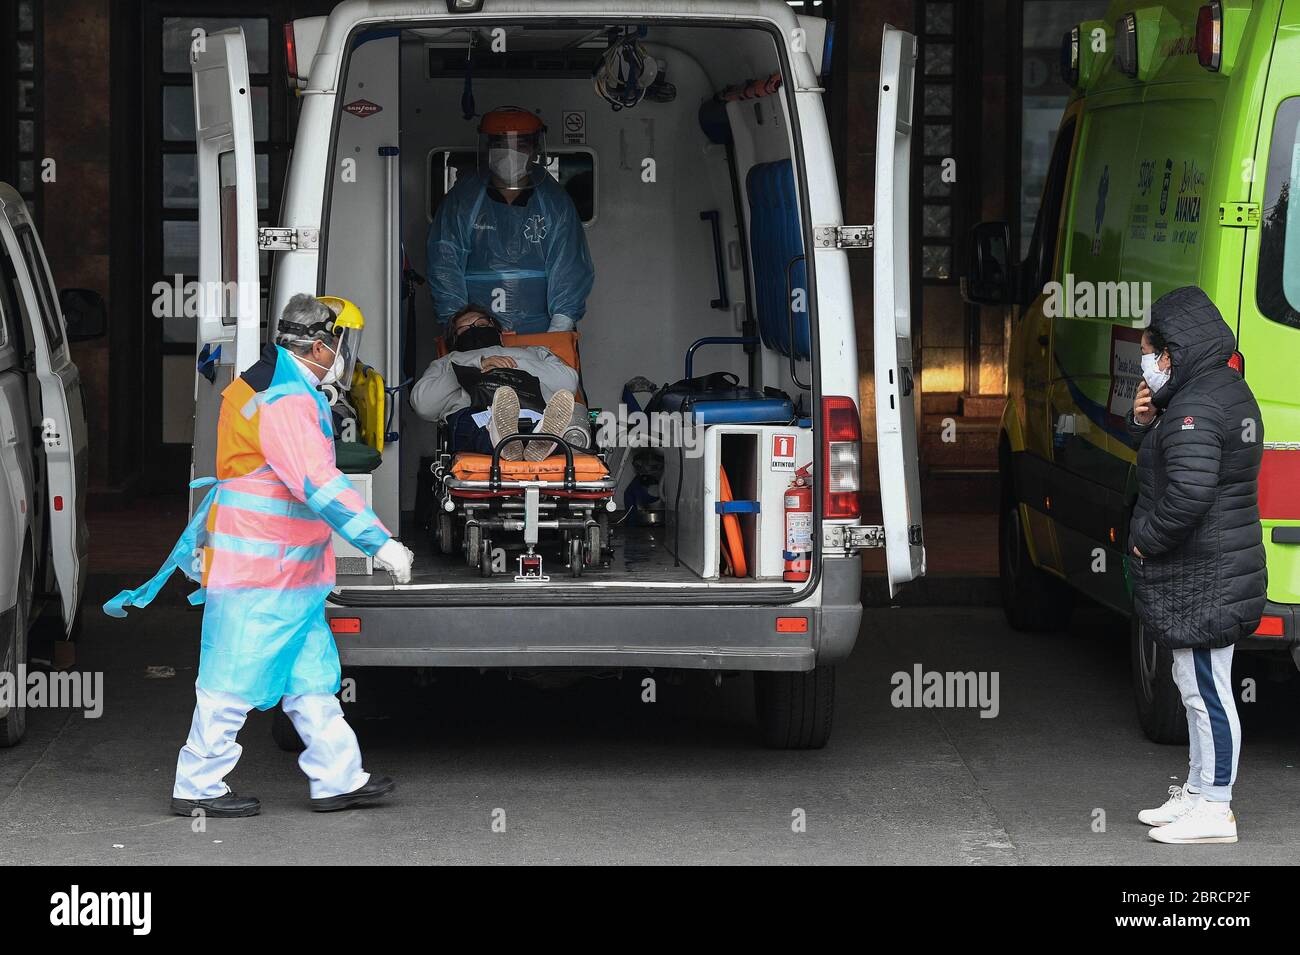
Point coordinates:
[(561, 323), (396, 558)]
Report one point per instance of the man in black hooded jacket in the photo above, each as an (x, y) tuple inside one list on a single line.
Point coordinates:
[(1197, 560)]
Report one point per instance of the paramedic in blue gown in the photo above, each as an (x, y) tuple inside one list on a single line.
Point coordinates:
[(510, 236)]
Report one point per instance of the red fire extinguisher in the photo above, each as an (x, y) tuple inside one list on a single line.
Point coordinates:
[(799, 526)]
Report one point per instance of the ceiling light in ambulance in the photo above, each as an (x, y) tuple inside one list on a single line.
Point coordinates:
[(1209, 36), (464, 6)]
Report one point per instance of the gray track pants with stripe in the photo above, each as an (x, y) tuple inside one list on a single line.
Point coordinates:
[(1204, 677)]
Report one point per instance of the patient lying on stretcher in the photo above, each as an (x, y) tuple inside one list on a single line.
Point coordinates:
[(482, 389)]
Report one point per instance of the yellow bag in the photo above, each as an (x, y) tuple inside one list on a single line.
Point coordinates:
[(368, 399)]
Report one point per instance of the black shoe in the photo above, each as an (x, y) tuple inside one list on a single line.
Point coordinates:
[(376, 788), (228, 806)]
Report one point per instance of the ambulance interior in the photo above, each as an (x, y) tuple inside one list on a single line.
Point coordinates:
[(691, 212)]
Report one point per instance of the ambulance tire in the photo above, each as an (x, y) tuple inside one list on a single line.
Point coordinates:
[(1032, 599), (1159, 702), (13, 650), (282, 731), (795, 710)]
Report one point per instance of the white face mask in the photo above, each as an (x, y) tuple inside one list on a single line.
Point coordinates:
[(1152, 373), (508, 165), (333, 372)]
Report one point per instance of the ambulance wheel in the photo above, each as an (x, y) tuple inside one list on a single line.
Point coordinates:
[(575, 555), (485, 559), (446, 533), (795, 710), (1032, 598), (473, 545), (1159, 702), (13, 652), (282, 731)]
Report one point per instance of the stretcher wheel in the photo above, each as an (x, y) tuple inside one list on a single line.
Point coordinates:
[(575, 556), (446, 533), (473, 545), (594, 539), (485, 559)]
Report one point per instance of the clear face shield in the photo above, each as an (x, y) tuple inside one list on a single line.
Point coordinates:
[(512, 160)]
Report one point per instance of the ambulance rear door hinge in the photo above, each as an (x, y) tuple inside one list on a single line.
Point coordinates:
[(1239, 215), (843, 236), (853, 537), (287, 240)]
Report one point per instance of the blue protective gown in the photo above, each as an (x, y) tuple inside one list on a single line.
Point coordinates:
[(535, 253)]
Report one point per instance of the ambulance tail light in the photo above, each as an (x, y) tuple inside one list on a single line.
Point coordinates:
[(1279, 484), (1209, 36), (1237, 362), (1271, 627), (841, 457), (290, 54)]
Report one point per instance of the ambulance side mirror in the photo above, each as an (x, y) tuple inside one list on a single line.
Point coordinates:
[(989, 278)]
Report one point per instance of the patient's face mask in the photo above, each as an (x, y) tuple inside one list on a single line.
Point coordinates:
[(1155, 376), (477, 336), (508, 165)]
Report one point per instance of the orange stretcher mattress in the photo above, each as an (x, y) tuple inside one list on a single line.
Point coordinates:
[(478, 467)]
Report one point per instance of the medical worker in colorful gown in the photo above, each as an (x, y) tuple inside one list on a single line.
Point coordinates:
[(510, 237), (260, 545)]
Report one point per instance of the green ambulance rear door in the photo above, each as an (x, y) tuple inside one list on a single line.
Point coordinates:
[(1269, 331)]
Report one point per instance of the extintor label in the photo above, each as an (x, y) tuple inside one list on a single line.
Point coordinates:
[(798, 528)]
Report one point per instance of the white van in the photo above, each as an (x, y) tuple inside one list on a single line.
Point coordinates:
[(711, 211), (43, 537)]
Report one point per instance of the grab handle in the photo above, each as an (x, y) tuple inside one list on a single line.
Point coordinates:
[(789, 311), (716, 340), (715, 220)]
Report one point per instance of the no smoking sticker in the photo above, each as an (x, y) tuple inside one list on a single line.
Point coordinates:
[(574, 127)]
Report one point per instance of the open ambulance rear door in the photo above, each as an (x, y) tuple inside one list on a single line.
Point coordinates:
[(896, 437), (229, 332)]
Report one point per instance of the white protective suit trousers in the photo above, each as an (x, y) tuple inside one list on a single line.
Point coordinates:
[(332, 759)]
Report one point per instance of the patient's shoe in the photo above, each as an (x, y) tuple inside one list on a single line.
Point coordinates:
[(505, 421), (556, 417)]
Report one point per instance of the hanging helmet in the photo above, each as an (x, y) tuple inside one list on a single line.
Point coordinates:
[(511, 146)]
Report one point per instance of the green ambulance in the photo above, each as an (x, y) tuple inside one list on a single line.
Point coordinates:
[(1177, 163)]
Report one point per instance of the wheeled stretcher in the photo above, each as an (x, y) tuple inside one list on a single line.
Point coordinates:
[(485, 501)]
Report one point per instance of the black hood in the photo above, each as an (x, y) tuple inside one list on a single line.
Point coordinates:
[(1198, 338)]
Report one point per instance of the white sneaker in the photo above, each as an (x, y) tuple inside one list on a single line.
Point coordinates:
[(1179, 801), (1205, 822)]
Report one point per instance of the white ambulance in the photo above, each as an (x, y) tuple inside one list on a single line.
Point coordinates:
[(707, 193)]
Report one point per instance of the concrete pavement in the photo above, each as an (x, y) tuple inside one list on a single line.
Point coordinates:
[(589, 773)]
